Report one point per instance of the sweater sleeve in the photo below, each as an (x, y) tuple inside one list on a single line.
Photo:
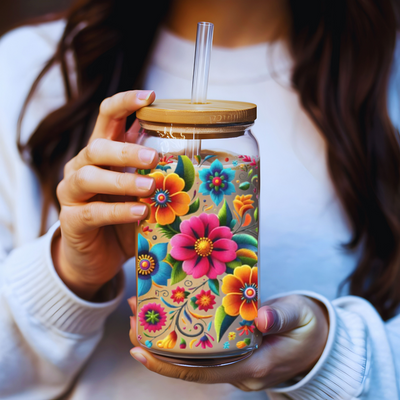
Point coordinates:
[(361, 359), (47, 332)]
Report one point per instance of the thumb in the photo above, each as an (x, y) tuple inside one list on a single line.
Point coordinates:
[(283, 315)]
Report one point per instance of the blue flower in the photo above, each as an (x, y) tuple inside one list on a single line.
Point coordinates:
[(217, 182), (235, 163), (149, 344), (150, 265), (226, 345)]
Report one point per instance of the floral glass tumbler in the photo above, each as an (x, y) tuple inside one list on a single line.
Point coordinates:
[(197, 252)]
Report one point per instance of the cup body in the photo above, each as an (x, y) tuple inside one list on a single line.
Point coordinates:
[(197, 253)]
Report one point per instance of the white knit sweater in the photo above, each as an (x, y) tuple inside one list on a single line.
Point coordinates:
[(47, 334)]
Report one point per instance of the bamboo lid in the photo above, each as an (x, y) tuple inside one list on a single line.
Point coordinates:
[(182, 111)]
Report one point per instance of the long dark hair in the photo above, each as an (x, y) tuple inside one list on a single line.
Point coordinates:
[(342, 51)]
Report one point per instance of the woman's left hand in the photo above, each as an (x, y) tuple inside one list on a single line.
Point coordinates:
[(295, 331)]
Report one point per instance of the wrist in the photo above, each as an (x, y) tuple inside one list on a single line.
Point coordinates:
[(68, 273)]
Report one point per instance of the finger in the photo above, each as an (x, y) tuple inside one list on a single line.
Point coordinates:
[(283, 315), (132, 332), (113, 112), (132, 304), (132, 133), (106, 152), (97, 214), (90, 180)]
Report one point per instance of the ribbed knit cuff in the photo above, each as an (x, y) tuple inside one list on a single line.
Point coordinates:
[(341, 371), (35, 287)]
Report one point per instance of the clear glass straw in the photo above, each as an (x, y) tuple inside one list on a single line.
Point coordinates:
[(202, 57)]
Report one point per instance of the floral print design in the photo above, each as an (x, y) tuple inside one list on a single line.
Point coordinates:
[(152, 317), (203, 246), (205, 300), (168, 200), (178, 295), (150, 265), (241, 292), (245, 328), (243, 203), (217, 182), (231, 336), (204, 341), (169, 342), (163, 163)]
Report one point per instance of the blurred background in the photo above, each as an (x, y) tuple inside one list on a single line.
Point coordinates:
[(13, 12)]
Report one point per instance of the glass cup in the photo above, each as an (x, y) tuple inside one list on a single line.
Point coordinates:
[(197, 252)]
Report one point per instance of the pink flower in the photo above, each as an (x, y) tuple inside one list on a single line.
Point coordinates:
[(203, 246), (204, 341), (152, 317), (205, 300)]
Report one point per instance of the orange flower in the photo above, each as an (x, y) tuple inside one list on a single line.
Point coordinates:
[(243, 203), (168, 200), (241, 292)]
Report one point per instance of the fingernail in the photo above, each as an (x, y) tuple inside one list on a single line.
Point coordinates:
[(139, 357), (147, 156), (144, 183), (144, 94), (139, 211)]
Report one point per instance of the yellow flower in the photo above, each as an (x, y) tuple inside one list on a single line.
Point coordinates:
[(231, 335), (243, 203), (168, 342)]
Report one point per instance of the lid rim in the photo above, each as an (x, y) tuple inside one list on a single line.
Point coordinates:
[(184, 112)]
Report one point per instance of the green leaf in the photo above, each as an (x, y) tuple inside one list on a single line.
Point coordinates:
[(194, 207), (186, 171), (222, 322), (235, 263), (248, 261), (177, 274), (244, 185), (186, 293), (170, 260), (233, 223), (170, 230), (250, 172), (256, 214), (247, 341), (193, 302), (213, 284), (143, 171), (225, 215), (246, 242)]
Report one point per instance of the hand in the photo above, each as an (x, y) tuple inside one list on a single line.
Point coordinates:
[(98, 207), (296, 330)]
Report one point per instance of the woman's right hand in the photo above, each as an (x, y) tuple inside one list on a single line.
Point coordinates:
[(97, 230)]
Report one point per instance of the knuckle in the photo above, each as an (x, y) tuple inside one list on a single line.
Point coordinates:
[(105, 106), (115, 212), (124, 155), (87, 213), (120, 182), (92, 150), (82, 176)]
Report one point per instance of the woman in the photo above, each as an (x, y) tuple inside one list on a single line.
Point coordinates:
[(330, 177)]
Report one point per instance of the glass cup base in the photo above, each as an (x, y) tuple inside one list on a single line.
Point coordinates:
[(205, 362)]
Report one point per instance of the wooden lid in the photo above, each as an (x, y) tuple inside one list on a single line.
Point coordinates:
[(182, 111)]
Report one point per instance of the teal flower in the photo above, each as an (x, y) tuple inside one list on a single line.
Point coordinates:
[(217, 182), (226, 345), (149, 344), (150, 265)]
